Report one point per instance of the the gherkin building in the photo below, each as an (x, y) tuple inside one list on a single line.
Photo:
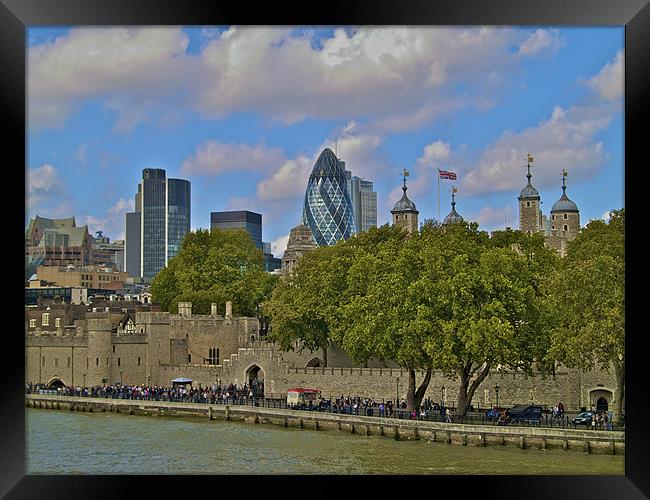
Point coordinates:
[(328, 208)]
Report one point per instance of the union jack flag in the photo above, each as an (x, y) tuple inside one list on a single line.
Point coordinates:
[(447, 175)]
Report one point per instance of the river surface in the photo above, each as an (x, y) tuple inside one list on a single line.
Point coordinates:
[(105, 443)]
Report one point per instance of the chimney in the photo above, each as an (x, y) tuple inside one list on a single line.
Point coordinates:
[(185, 308), (228, 310), (214, 310)]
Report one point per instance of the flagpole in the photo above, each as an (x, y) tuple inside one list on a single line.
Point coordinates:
[(438, 195)]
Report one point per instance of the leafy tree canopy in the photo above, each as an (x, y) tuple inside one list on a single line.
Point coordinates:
[(215, 266)]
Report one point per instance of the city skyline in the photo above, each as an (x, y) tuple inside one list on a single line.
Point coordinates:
[(106, 103)]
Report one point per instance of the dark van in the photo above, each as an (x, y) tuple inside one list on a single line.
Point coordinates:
[(526, 414)]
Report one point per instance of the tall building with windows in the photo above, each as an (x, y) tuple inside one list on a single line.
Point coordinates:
[(327, 209), (251, 222), (161, 220), (239, 219), (365, 207)]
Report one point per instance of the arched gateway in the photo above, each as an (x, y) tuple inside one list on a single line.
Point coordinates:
[(55, 383), (255, 379)]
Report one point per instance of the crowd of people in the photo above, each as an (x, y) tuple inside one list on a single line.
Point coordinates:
[(356, 405), (253, 394), (215, 394)]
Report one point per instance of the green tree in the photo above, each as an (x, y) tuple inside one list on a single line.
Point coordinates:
[(215, 266), (378, 316), (588, 302), (303, 306), (480, 302)]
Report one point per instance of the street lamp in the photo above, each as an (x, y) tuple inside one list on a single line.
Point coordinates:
[(496, 389), (442, 396)]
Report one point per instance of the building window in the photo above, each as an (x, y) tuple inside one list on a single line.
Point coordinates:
[(566, 216), (106, 361), (553, 217), (113, 348), (566, 228), (119, 361), (552, 227), (45, 319), (138, 360), (32, 323), (96, 361), (528, 203), (217, 360), (189, 358), (57, 322), (397, 217)]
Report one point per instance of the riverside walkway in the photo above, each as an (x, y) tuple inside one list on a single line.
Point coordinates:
[(541, 438)]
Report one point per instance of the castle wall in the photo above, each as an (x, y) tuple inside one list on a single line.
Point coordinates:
[(202, 333), (99, 349), (161, 343)]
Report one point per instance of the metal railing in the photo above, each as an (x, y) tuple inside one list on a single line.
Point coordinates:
[(472, 418)]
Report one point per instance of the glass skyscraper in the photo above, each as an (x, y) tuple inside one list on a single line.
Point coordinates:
[(161, 220), (239, 219), (364, 204), (328, 208)]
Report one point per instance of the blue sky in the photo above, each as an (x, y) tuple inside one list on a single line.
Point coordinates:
[(244, 112)]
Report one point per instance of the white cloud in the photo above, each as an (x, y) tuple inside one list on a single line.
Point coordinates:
[(44, 179), (142, 63), (397, 77), (609, 83), (289, 181), (279, 245), (542, 40), (214, 157), (434, 152), (564, 141), (112, 223)]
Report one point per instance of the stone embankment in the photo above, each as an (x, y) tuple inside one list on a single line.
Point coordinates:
[(601, 442)]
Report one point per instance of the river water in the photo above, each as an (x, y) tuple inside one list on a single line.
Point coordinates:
[(106, 443)]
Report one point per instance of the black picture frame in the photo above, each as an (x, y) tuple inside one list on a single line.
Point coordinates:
[(17, 15)]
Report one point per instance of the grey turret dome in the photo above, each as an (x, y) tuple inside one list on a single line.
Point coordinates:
[(564, 204), (404, 204), (453, 216), (529, 192)]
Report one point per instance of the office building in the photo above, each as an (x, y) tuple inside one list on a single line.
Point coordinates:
[(155, 231), (239, 219), (327, 209)]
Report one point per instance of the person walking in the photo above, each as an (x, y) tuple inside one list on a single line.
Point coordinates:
[(447, 416)]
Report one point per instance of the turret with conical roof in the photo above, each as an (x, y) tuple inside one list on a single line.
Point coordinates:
[(565, 216), (453, 216), (530, 215), (405, 214)]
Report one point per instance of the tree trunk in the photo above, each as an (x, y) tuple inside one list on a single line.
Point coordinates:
[(466, 391), (414, 397)]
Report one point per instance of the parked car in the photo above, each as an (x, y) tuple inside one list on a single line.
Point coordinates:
[(583, 418), (525, 413)]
